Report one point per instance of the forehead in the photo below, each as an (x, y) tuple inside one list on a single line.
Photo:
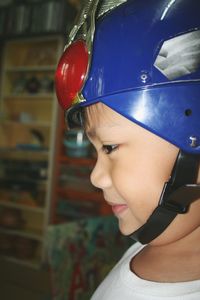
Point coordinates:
[(100, 115), (102, 120)]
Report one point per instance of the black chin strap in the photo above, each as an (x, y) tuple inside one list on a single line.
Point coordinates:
[(177, 195)]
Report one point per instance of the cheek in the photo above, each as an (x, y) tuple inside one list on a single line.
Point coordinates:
[(139, 181), (138, 188)]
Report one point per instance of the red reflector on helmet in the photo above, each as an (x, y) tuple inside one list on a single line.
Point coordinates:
[(71, 72)]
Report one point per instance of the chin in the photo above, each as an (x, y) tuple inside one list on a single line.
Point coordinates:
[(127, 229)]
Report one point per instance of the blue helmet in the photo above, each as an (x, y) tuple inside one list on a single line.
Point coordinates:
[(145, 64)]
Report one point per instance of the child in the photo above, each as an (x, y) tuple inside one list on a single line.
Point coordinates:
[(134, 81)]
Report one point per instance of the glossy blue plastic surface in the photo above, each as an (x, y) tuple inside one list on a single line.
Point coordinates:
[(123, 76)]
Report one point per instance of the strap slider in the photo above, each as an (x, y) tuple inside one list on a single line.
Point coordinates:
[(175, 207)]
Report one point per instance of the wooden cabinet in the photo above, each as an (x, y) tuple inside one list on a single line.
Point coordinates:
[(28, 120), (73, 195)]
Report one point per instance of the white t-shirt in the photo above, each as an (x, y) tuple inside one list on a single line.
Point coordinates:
[(122, 284)]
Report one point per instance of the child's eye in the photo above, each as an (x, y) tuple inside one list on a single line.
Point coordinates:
[(108, 149)]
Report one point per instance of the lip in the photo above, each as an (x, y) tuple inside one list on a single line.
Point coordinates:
[(119, 208)]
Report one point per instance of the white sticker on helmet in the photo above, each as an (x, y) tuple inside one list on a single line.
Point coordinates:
[(179, 56)]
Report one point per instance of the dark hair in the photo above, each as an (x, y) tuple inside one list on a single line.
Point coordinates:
[(75, 117)]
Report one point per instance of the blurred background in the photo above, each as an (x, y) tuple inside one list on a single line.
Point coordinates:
[(57, 236)]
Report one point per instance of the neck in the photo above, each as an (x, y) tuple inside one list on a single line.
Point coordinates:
[(165, 263), (187, 244)]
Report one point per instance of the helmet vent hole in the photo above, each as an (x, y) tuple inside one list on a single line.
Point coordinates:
[(188, 112)]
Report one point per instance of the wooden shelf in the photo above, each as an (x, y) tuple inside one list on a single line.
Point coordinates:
[(31, 69), (35, 96), (80, 195), (33, 209), (82, 161), (40, 182), (26, 233), (22, 154), (22, 59), (31, 263), (31, 123)]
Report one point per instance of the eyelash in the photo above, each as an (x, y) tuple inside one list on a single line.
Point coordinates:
[(108, 149)]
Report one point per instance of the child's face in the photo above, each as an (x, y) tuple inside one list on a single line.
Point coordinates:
[(132, 165)]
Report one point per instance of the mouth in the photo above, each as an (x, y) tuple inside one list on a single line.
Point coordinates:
[(118, 208)]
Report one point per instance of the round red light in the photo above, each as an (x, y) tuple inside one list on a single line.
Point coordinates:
[(71, 72)]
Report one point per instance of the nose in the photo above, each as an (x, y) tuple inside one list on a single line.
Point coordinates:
[(100, 176)]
